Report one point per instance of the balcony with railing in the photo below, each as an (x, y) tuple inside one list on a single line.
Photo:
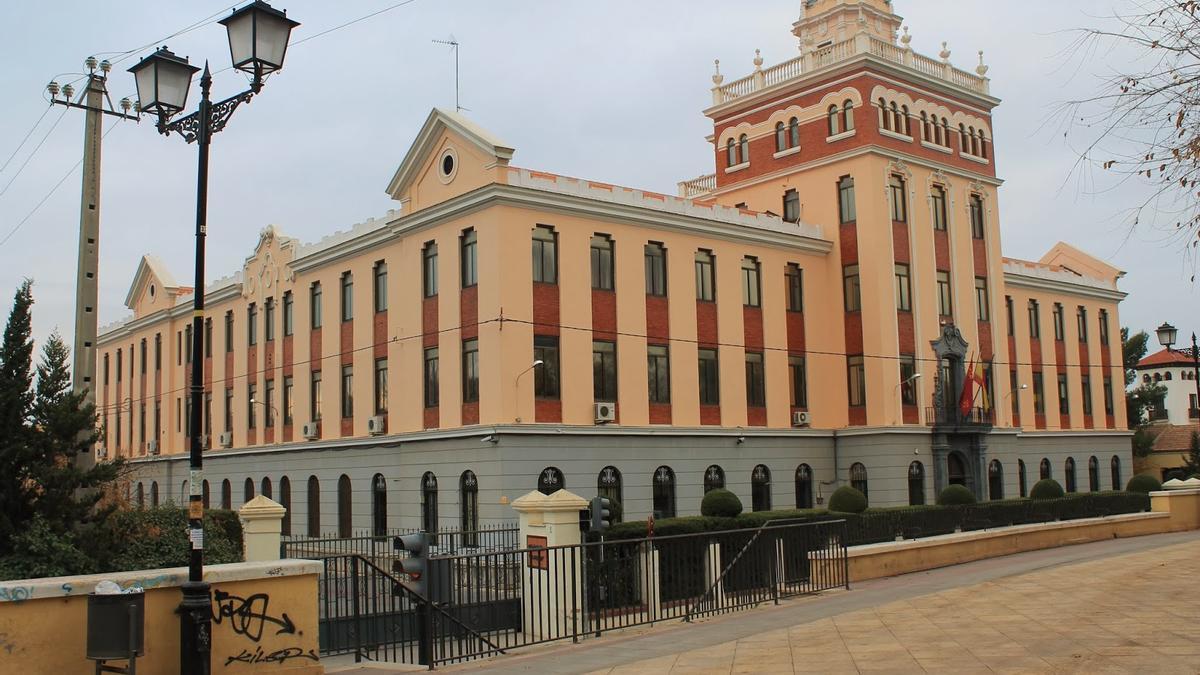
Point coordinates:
[(701, 185), (833, 54), (953, 418)]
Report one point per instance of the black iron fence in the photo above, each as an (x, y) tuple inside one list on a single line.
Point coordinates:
[(484, 603), (378, 546)]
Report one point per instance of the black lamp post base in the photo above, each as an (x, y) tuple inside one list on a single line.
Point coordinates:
[(195, 628)]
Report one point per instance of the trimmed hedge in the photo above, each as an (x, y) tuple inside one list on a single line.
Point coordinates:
[(955, 495), (720, 503), (158, 537), (847, 500), (1046, 488), (1143, 482)]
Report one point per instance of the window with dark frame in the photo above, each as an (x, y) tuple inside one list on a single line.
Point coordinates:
[(916, 484), (381, 386), (1064, 395), (269, 318), (1108, 396), (710, 378), (1035, 322), (228, 409), (798, 381), (982, 306), (791, 206), (430, 370), (1059, 326), (856, 380), (656, 269), (604, 370), (314, 399), (1081, 317), (1014, 391), (602, 262), (705, 276), (903, 288), (1103, 327), (347, 296), (380, 286), (846, 210), (289, 326), (858, 477), (751, 284), (470, 370), (851, 290), (468, 258), (429, 269), (804, 491), (251, 329), (1008, 312), (899, 202), (756, 389), (945, 301), (347, 391), (289, 400), (229, 332), (546, 376), (1085, 382), (975, 208), (938, 197), (314, 303), (658, 365), (794, 278), (251, 413), (908, 383), (269, 402), (1039, 394), (545, 255)]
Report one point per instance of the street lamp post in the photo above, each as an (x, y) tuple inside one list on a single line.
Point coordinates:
[(258, 37)]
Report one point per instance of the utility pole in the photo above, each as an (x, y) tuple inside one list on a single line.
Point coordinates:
[(92, 100)]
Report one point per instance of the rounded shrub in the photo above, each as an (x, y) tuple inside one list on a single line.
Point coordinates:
[(955, 495), (847, 500), (720, 503), (1046, 488), (1143, 482)]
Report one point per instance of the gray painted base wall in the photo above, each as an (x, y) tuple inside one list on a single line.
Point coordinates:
[(510, 466)]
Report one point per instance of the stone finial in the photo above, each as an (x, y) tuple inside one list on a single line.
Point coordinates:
[(906, 39), (945, 53), (981, 68), (717, 77), (758, 59)]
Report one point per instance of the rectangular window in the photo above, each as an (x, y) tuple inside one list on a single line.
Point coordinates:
[(269, 402), (982, 307), (1059, 327), (1014, 391), (1085, 382), (938, 197), (229, 409), (118, 365), (856, 379), (656, 269), (431, 377), (1081, 317), (208, 339), (143, 351), (604, 370), (945, 301), (1039, 394), (470, 371), (315, 404), (468, 258), (380, 286), (791, 206), (347, 391), (602, 262), (903, 288), (251, 401), (976, 210), (381, 386), (798, 379), (1108, 396), (1103, 327), (187, 348), (658, 367), (157, 419), (429, 269), (314, 301), (851, 291), (178, 353), (289, 400), (751, 286), (229, 332), (106, 370), (908, 382), (289, 326), (269, 318), (794, 278), (347, 296), (705, 276), (251, 328), (545, 376), (1064, 395), (846, 212), (545, 255), (756, 388), (710, 379), (899, 203), (1008, 312), (1035, 321)]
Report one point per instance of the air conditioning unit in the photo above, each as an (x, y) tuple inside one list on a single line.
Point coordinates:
[(375, 425), (153, 447), (800, 418), (606, 412), (310, 431), (206, 441), (225, 438)]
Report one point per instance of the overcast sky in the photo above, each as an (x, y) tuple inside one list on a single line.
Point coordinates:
[(611, 91)]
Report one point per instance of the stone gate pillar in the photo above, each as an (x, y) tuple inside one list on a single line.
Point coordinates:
[(552, 568)]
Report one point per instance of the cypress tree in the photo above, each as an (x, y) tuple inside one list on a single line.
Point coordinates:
[(16, 400)]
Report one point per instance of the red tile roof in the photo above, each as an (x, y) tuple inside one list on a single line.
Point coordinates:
[(1164, 357), (1173, 437)]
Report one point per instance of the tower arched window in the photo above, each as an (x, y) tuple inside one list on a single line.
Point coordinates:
[(995, 480), (608, 485), (468, 495), (731, 153), (760, 488), (904, 124), (429, 502), (897, 122), (265, 488), (916, 484), (780, 137), (714, 478), (794, 132), (937, 131), (885, 120), (379, 505), (848, 115), (974, 142), (925, 126), (1093, 474), (226, 494), (945, 132), (983, 143), (1069, 468), (551, 480), (664, 492), (285, 500), (963, 144), (1044, 469), (744, 148), (1022, 485), (153, 494), (345, 516), (1115, 468), (858, 477), (804, 491), (314, 507), (832, 118), (248, 490)]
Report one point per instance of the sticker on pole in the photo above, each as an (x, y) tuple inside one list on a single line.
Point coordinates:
[(196, 536), (195, 509), (196, 483)]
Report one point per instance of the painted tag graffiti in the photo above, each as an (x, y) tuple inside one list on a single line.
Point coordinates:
[(277, 656), (248, 616)]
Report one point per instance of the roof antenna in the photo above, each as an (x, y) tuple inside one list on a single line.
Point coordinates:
[(453, 43)]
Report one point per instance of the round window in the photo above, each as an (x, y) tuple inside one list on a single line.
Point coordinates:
[(447, 164)]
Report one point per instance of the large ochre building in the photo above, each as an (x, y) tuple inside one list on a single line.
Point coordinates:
[(803, 317)]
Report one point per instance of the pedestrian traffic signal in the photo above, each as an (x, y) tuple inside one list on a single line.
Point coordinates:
[(601, 515), (416, 565)]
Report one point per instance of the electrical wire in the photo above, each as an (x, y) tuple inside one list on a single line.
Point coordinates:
[(24, 140), (24, 164)]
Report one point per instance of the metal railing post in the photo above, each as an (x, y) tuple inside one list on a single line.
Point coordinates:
[(354, 610)]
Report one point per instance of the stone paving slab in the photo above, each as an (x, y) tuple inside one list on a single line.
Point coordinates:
[(1120, 606)]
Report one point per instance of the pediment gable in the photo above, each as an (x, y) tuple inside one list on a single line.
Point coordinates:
[(1066, 256), (268, 272), (153, 287)]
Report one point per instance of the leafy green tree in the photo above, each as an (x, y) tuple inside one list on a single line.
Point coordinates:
[(1138, 400), (1133, 349)]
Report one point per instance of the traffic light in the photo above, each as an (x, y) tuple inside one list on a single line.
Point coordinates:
[(601, 515), (416, 565)]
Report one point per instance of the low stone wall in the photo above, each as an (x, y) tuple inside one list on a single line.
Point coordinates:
[(264, 619), (1173, 511)]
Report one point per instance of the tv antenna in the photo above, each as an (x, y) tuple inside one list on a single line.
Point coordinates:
[(453, 44)]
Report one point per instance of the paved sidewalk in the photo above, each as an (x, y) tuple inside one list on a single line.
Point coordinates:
[(1126, 605)]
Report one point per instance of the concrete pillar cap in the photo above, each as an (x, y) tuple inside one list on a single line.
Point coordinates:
[(560, 500), (261, 508)]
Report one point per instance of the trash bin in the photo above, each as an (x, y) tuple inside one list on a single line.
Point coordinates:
[(115, 625)]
